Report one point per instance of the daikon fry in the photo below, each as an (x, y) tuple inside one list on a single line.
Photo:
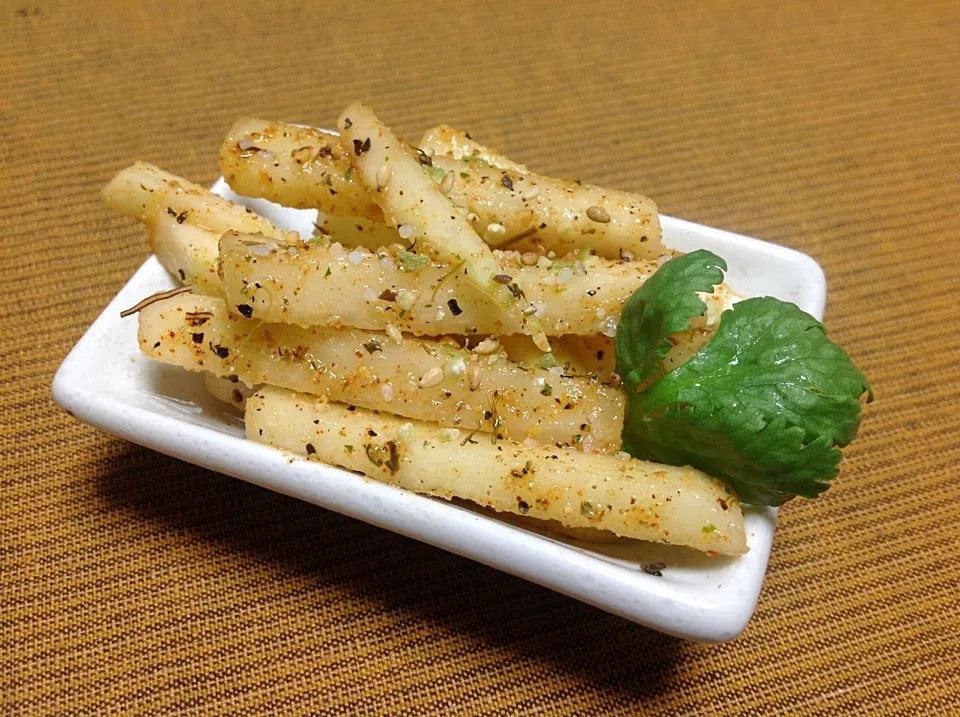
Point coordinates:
[(143, 190), (353, 232), (631, 498), (300, 167), (189, 252), (515, 208), (430, 380), (422, 212), (456, 144), (232, 392), (595, 352), (297, 167), (521, 350), (324, 285)]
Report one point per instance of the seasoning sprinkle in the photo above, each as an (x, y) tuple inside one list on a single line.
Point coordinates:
[(447, 183), (383, 175), (487, 346), (361, 146), (433, 377), (598, 214), (473, 376), (654, 569), (152, 299), (529, 258)]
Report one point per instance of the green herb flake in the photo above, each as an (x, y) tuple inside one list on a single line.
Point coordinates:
[(546, 361), (411, 262)]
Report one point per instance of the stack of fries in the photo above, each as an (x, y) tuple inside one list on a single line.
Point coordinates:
[(448, 329)]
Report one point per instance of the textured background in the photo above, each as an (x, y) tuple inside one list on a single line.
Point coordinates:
[(133, 583)]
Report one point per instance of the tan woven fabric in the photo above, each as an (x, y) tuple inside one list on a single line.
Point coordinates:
[(132, 583)]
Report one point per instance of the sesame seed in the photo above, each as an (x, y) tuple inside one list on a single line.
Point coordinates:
[(473, 376), (487, 346), (598, 214), (405, 231), (529, 258), (496, 229), (383, 175), (532, 192), (394, 333), (433, 377), (608, 327), (446, 184), (503, 278), (386, 391)]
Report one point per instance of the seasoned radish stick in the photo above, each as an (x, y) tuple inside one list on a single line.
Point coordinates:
[(456, 144), (430, 380), (631, 498), (187, 251), (233, 392), (184, 221), (315, 284), (505, 205), (353, 232), (141, 190), (421, 211), (296, 166)]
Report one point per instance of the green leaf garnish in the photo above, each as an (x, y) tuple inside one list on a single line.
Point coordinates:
[(664, 305), (765, 405)]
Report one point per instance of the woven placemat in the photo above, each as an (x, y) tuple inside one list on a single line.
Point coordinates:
[(133, 583)]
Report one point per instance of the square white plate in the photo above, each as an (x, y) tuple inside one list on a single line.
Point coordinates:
[(106, 382)]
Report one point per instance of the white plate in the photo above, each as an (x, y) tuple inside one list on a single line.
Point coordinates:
[(106, 382)]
